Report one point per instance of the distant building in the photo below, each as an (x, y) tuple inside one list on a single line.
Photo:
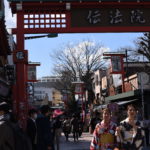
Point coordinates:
[(6, 63), (98, 88), (43, 90), (136, 86), (47, 92), (49, 79)]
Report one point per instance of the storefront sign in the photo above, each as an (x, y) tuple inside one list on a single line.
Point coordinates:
[(116, 63), (31, 72), (20, 56), (104, 17)]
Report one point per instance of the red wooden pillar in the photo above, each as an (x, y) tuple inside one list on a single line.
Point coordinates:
[(20, 59)]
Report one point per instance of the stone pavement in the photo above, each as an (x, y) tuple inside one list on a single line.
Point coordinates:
[(82, 144)]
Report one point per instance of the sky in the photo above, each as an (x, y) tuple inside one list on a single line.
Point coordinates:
[(40, 49)]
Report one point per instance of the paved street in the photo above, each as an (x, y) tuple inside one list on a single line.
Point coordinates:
[(82, 144)]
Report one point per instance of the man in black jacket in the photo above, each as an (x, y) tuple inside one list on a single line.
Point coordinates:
[(44, 135), (7, 141), (31, 127)]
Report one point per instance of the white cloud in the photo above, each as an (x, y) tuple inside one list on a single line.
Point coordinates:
[(10, 20)]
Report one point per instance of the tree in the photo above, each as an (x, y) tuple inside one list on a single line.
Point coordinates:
[(80, 60), (141, 51), (143, 45)]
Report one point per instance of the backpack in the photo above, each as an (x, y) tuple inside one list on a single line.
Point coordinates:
[(22, 141), (66, 126)]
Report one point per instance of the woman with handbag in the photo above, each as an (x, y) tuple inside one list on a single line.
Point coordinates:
[(130, 135)]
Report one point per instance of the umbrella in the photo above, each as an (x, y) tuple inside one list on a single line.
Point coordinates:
[(57, 112)]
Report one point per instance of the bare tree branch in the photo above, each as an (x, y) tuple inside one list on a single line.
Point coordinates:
[(80, 59)]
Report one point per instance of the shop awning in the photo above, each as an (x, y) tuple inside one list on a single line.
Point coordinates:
[(126, 102), (119, 103), (123, 96), (99, 107)]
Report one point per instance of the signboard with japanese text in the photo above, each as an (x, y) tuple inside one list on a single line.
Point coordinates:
[(31, 72), (116, 63), (20, 56), (84, 17), (103, 17)]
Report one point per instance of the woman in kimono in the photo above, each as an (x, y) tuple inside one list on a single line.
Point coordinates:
[(104, 133), (130, 135)]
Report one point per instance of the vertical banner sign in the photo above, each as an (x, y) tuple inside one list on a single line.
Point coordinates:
[(31, 72), (116, 64)]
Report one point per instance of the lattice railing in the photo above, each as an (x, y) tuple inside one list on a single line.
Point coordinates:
[(45, 20)]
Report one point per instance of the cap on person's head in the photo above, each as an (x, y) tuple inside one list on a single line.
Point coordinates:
[(4, 107), (44, 109)]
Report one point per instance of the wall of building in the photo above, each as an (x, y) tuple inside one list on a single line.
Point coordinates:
[(49, 79), (41, 92)]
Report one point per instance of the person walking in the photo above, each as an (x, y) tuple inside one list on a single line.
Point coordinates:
[(104, 133), (130, 135), (93, 121), (12, 136), (75, 127), (31, 128), (44, 135), (66, 126), (57, 129)]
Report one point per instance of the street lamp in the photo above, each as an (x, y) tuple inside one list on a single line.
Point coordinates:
[(50, 35)]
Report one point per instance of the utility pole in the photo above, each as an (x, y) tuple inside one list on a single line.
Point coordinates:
[(142, 96)]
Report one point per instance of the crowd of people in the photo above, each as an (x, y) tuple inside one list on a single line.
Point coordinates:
[(129, 134), (43, 129)]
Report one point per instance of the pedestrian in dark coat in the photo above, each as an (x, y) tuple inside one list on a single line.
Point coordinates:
[(75, 127), (57, 129), (7, 141), (66, 126), (44, 135), (31, 128)]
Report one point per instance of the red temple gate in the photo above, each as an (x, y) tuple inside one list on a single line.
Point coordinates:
[(69, 16)]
